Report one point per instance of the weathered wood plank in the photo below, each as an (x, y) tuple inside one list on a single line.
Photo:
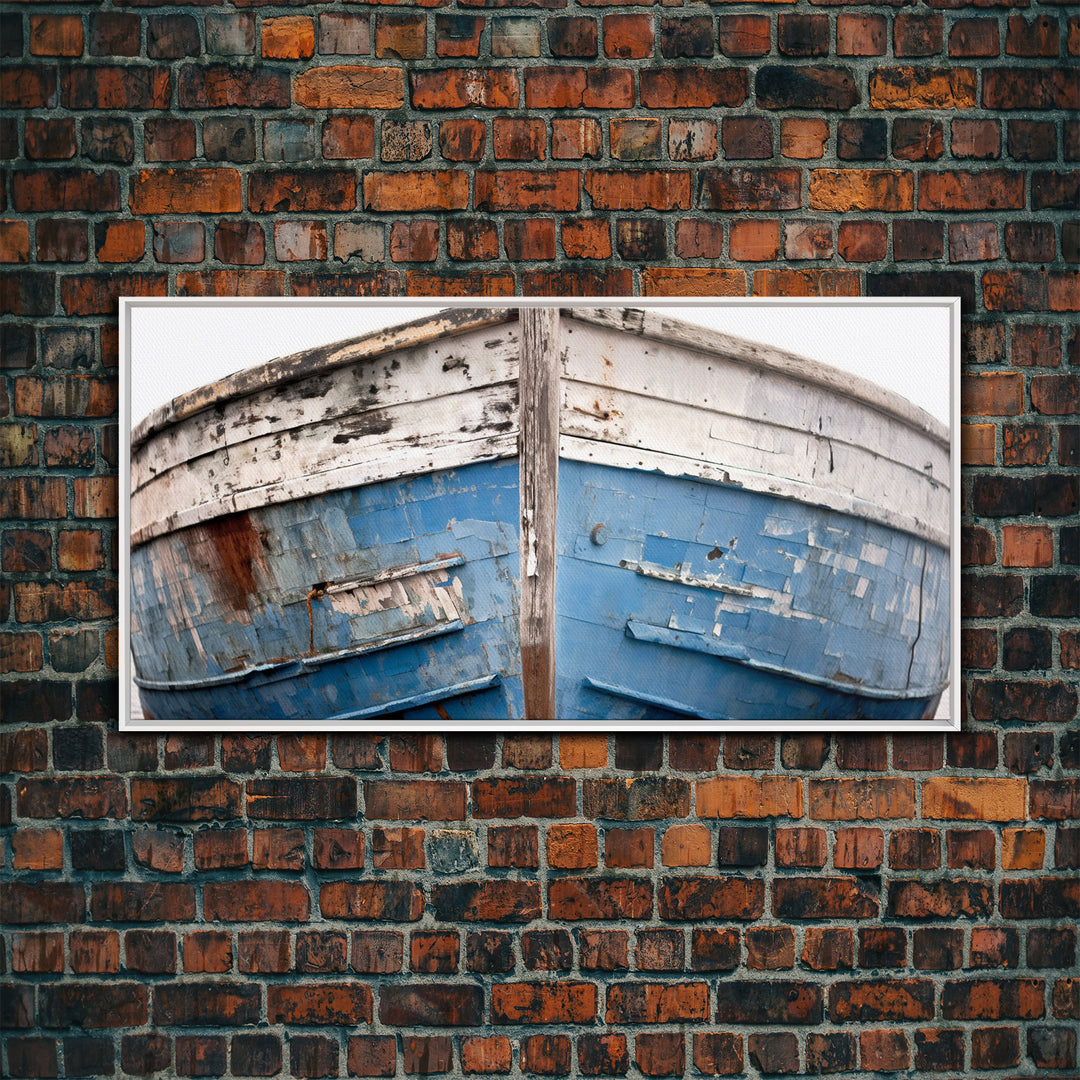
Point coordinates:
[(539, 393), (768, 428), (663, 328), (434, 369), (300, 365)]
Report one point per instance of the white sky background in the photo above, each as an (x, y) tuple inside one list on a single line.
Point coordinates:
[(178, 345)]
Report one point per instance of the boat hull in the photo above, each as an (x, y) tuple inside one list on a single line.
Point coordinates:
[(348, 606), (676, 599)]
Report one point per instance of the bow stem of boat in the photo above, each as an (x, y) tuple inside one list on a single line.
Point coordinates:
[(538, 383)]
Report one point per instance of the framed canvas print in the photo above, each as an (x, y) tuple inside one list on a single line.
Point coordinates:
[(349, 514)]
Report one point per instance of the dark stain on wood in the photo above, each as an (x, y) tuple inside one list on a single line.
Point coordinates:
[(356, 427)]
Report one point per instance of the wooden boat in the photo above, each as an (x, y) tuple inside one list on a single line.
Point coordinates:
[(682, 526)]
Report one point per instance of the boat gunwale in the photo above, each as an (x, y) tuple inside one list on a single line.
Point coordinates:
[(454, 321), (307, 363), (739, 350)]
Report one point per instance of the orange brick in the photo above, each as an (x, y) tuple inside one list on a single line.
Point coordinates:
[(803, 140), (583, 751), (692, 281), (974, 799), (38, 849), (923, 88), (686, 845), (119, 241), (858, 849), (572, 847), (291, 37), (862, 189), (992, 394), (485, 1055), (1027, 545), (586, 239), (750, 797), (978, 444), (56, 35), (628, 37), (1022, 849), (14, 242), (755, 240), (350, 87)]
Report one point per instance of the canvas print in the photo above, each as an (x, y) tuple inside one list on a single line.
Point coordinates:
[(619, 514)]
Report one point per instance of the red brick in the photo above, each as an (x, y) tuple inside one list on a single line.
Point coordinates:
[(372, 1055), (414, 241), (718, 1053), (188, 191), (65, 189), (49, 140), (861, 35), (744, 35), (162, 851), (463, 140), (458, 35), (207, 951), (320, 1003), (351, 137), (350, 87), (546, 1055), (383, 900), (409, 191), (866, 799), (256, 901), (575, 139), (721, 897), (543, 1003), (321, 952), (628, 37), (435, 1004), (660, 1054), (481, 1054), (377, 951), (529, 240), (464, 88), (415, 800), (974, 37), (291, 37), (527, 190), (578, 87), (397, 848), (142, 902), (433, 952), (608, 898)]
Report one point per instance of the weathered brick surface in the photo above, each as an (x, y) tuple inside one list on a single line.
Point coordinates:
[(213, 885)]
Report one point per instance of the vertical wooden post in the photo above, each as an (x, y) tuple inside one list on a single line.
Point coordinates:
[(539, 397)]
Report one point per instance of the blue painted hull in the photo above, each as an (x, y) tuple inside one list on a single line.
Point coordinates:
[(676, 599), (432, 636), (707, 601)]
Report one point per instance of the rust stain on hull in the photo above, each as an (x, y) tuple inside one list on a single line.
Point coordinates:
[(237, 549)]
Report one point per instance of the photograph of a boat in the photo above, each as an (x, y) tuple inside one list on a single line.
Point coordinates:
[(579, 515)]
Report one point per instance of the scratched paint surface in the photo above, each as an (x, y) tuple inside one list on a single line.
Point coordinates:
[(330, 606), (738, 605)]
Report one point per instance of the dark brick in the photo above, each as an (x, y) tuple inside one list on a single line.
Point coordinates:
[(768, 1002)]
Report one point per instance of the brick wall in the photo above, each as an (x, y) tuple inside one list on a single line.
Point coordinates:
[(576, 905)]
